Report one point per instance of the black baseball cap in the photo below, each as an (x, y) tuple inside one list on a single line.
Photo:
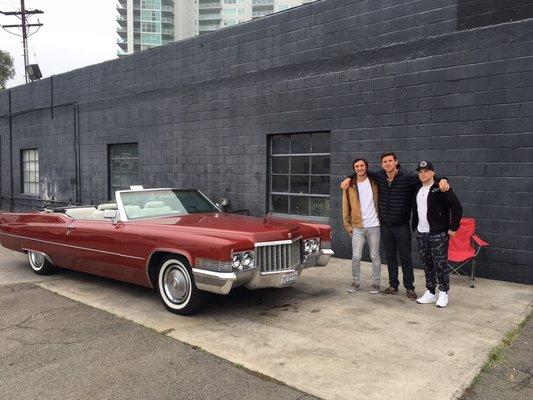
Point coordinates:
[(425, 165)]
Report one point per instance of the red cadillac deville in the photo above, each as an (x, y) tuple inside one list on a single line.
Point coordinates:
[(177, 241)]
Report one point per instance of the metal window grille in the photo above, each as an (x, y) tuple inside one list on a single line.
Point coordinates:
[(299, 174)]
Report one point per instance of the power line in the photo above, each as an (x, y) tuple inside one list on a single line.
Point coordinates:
[(22, 15)]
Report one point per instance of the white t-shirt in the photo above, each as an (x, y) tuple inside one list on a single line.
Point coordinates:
[(422, 206), (368, 208)]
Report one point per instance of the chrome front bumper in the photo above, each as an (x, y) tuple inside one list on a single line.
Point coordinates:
[(223, 282)]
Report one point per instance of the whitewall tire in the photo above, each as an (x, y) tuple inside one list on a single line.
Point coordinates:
[(39, 263), (176, 287)]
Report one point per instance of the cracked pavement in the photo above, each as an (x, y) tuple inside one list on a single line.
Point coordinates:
[(511, 378), (55, 348)]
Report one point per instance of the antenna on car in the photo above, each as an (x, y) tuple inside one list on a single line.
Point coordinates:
[(136, 187)]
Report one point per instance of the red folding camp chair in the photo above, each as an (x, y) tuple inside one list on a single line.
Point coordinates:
[(464, 246)]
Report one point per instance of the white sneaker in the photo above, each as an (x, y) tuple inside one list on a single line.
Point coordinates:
[(442, 299), (427, 298)]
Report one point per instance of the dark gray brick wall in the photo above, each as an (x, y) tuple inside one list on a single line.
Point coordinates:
[(379, 74)]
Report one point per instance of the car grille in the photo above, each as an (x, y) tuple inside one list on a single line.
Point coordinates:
[(278, 257)]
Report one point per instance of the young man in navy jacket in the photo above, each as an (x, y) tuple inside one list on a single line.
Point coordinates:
[(436, 218)]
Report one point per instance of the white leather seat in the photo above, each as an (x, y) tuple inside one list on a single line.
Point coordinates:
[(107, 206), (133, 211), (154, 204), (80, 213)]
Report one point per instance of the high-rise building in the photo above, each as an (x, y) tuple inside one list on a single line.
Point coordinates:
[(143, 24)]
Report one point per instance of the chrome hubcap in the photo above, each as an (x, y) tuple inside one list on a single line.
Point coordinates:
[(176, 283), (37, 259)]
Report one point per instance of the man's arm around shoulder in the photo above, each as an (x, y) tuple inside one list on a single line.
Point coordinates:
[(456, 209)]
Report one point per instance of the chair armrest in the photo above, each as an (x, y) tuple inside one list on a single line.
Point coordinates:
[(480, 242)]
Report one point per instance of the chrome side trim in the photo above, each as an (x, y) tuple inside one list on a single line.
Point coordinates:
[(73, 247), (220, 275)]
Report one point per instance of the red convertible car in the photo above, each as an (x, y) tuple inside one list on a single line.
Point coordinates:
[(176, 241)]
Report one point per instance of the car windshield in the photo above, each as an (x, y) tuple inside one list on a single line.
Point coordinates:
[(155, 203)]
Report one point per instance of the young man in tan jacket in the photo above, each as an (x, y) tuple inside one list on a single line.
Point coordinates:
[(360, 218)]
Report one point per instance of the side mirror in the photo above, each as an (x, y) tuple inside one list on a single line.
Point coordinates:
[(223, 204), (112, 215)]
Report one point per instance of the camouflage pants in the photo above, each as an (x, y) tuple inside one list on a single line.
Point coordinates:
[(433, 251)]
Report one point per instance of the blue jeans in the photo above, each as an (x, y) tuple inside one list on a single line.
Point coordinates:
[(359, 235)]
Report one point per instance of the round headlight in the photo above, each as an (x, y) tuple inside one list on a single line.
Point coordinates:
[(248, 260), (314, 246), (236, 262), (307, 246)]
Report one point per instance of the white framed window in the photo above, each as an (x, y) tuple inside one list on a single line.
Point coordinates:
[(30, 171)]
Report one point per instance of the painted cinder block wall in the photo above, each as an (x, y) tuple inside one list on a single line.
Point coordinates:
[(430, 79)]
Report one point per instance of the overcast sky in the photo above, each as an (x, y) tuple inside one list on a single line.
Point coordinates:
[(76, 33)]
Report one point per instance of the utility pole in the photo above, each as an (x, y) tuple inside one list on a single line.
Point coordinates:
[(24, 25)]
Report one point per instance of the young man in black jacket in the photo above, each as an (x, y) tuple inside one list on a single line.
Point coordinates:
[(396, 189), (436, 218)]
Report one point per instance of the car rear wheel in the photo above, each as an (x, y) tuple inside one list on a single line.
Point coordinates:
[(175, 283), (39, 263)]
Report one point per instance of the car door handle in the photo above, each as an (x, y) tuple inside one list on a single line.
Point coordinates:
[(70, 228)]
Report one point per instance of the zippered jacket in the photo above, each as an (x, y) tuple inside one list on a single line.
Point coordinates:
[(396, 199), (351, 205), (444, 210)]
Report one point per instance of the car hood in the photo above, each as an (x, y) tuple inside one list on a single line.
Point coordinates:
[(234, 226)]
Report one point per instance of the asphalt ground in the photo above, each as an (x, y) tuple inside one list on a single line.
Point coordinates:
[(314, 337), (512, 377), (52, 347)]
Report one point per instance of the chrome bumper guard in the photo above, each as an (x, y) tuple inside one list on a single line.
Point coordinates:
[(223, 282)]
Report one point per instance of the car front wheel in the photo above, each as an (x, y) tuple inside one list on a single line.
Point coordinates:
[(176, 286), (39, 263)]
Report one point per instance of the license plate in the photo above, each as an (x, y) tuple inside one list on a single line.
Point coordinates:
[(289, 279)]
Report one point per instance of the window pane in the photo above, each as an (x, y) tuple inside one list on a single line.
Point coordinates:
[(280, 165), (280, 204), (300, 143), (320, 184), (280, 144), (320, 143), (30, 171), (299, 184), (123, 166), (320, 165), (320, 206), (299, 205), (280, 183), (299, 165)]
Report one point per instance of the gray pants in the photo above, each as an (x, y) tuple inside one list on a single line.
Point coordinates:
[(358, 240)]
